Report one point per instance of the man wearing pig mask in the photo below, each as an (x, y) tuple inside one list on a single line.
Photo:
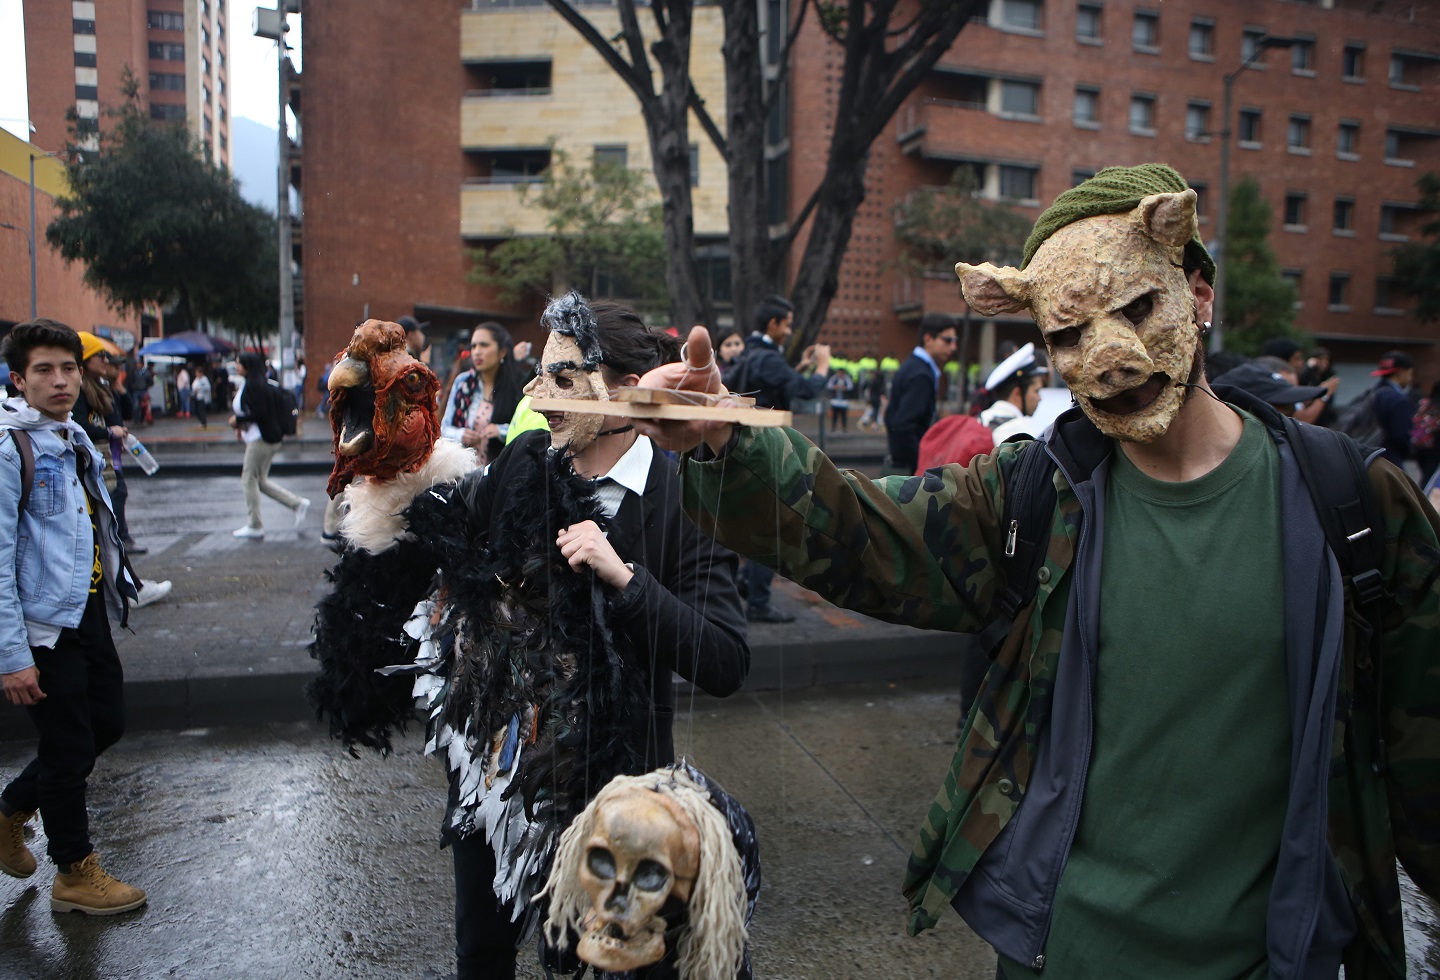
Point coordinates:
[(1182, 762)]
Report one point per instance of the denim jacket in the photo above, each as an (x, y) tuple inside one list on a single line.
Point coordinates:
[(47, 553)]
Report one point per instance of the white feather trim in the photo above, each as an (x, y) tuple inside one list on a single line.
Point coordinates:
[(374, 522)]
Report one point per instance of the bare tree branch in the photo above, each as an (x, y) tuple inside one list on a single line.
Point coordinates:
[(634, 40), (618, 65), (707, 123)]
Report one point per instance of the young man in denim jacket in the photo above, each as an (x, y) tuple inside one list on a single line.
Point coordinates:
[(62, 582)]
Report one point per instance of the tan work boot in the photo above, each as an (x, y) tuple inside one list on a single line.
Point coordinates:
[(87, 888), (15, 858)]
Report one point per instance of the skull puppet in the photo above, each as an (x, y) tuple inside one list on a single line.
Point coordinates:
[(1117, 310), (640, 864), (659, 874)]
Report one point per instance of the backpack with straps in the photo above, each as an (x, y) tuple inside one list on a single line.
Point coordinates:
[(27, 465), (1334, 469)]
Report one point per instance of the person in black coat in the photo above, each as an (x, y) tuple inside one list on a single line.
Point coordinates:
[(913, 390), (670, 595)]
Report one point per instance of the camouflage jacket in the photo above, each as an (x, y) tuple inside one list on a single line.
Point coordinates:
[(924, 550)]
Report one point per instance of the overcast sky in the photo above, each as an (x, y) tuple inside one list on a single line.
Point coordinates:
[(252, 67)]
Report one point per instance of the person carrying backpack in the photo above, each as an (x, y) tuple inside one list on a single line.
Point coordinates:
[(1210, 723), (63, 585), (1393, 409), (259, 421)]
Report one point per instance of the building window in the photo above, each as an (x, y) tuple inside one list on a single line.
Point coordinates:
[(507, 79), (612, 156), (1297, 134), (166, 82), (1249, 134), (1296, 279), (84, 59), (1020, 15), (1388, 295), (1142, 115), (516, 166), (1202, 39), (694, 164), (167, 113), (205, 91), (83, 26), (1295, 211), (1145, 33), (1397, 149), (1202, 194), (1087, 23), (1197, 122), (204, 66), (1019, 98), (1302, 57), (1395, 222), (1338, 296), (159, 20), (89, 92), (1250, 46), (165, 51), (1352, 62), (204, 39), (222, 115), (1017, 183), (1087, 106), (224, 143), (1344, 216), (1078, 177), (1347, 143)]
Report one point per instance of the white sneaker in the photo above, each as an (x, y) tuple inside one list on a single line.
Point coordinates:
[(301, 511), (152, 592), (248, 532)]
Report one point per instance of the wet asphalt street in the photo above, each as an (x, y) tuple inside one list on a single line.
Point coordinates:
[(268, 852)]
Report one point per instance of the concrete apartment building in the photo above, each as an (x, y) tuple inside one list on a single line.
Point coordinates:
[(77, 53), (421, 128)]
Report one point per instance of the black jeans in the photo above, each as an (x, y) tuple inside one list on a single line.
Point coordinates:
[(485, 937), (200, 406), (81, 715)]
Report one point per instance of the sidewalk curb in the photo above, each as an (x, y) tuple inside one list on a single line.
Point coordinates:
[(180, 703)]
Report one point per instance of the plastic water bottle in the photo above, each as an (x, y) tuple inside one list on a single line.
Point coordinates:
[(142, 455)]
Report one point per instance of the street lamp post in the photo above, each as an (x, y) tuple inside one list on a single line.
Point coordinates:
[(1222, 213), (272, 24)]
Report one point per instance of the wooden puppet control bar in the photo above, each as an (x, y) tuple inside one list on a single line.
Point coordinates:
[(664, 403)]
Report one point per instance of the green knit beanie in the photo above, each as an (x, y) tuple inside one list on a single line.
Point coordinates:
[(1112, 191)]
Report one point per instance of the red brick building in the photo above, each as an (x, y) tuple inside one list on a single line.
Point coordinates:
[(414, 145), (1039, 94), (77, 54)]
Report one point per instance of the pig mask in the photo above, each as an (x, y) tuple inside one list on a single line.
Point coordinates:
[(1116, 309)]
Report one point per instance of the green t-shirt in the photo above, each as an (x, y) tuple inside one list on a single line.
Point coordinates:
[(1170, 871)]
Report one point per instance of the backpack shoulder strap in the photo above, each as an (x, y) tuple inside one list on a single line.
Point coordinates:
[(1029, 479), (27, 465), (1336, 472)]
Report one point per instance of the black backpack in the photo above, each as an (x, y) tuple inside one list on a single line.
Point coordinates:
[(1360, 422), (1334, 468), (287, 410)]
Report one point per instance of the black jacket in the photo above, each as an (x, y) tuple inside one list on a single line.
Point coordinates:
[(912, 409), (681, 612), (260, 403), (764, 372)]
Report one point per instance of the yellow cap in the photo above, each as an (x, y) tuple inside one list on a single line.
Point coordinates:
[(91, 344)]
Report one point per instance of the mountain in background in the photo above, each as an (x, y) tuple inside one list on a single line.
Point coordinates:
[(252, 158)]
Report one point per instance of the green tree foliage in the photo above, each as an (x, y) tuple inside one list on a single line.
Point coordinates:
[(1417, 264), (603, 237), (937, 227), (156, 223), (1259, 301)]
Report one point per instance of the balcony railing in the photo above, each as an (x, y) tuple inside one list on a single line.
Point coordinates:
[(506, 93)]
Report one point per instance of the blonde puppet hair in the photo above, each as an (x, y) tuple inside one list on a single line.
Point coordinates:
[(711, 943)]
